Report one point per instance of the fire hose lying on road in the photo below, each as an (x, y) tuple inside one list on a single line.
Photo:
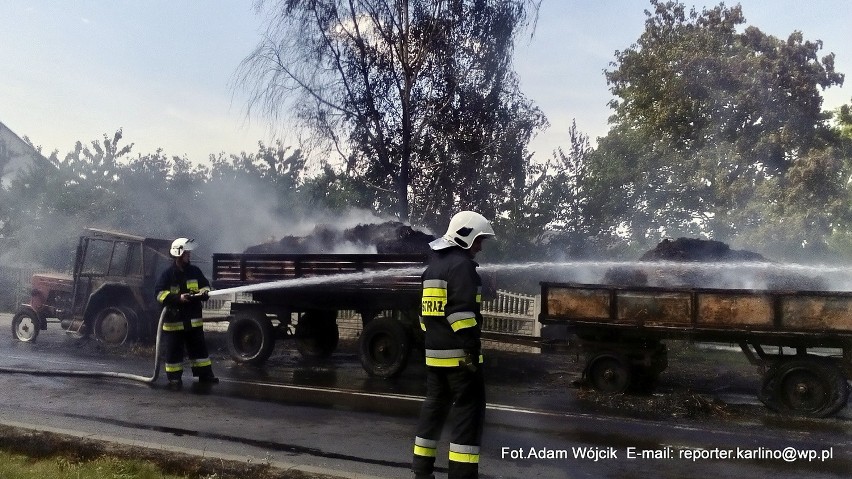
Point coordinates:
[(102, 374)]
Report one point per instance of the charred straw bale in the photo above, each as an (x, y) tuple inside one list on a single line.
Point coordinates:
[(694, 249), (391, 237), (623, 276), (407, 241)]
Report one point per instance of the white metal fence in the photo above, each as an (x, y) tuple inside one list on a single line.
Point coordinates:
[(512, 313)]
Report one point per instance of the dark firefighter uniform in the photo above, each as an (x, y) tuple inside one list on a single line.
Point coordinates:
[(451, 319), (182, 326)]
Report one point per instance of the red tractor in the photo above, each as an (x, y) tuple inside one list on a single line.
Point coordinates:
[(109, 295)]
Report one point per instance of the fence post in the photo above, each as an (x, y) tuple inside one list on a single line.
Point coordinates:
[(536, 314)]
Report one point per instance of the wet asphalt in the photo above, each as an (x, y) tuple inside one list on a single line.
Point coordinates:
[(329, 417)]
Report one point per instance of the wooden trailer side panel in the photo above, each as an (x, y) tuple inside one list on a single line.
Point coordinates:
[(651, 308), (816, 313), (617, 307), (572, 303), (740, 311), (708, 310)]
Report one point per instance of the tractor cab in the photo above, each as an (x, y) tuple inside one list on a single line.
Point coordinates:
[(108, 295)]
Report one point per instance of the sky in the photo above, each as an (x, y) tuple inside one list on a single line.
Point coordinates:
[(163, 71)]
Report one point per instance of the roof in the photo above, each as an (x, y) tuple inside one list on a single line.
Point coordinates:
[(102, 233), (15, 154)]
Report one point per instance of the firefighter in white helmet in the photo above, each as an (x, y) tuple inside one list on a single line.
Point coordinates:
[(181, 288), (451, 319)]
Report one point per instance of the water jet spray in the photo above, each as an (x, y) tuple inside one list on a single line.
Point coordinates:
[(316, 280)]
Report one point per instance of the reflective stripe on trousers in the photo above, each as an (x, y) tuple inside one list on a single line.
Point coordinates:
[(446, 358), (462, 453)]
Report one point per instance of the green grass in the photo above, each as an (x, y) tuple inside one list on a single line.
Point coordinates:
[(31, 454), (16, 466)]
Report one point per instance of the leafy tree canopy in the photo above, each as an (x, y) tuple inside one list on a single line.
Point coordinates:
[(417, 96), (718, 130)]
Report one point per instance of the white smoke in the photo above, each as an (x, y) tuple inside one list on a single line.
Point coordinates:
[(759, 276)]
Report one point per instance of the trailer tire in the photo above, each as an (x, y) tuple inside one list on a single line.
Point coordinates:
[(115, 325), (609, 372), (809, 386), (646, 374), (384, 347), (644, 381), (250, 338), (317, 334), (26, 325)]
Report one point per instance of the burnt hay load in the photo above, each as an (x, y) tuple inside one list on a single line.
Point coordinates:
[(702, 263), (391, 237), (693, 249)]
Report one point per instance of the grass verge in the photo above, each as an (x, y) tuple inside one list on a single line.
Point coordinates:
[(31, 454)]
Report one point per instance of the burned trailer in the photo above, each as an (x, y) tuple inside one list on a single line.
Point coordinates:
[(622, 333), (384, 289)]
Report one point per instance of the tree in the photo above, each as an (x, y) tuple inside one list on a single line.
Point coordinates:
[(409, 92), (844, 122), (695, 80), (161, 196), (53, 200), (560, 203), (711, 125)]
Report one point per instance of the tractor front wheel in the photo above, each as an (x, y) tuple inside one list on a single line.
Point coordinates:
[(25, 325)]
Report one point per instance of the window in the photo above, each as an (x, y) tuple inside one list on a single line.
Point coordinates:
[(98, 254), (126, 259)]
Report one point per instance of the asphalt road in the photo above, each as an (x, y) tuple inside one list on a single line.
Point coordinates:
[(329, 417)]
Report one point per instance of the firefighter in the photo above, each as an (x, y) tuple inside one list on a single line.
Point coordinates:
[(181, 288), (451, 319)]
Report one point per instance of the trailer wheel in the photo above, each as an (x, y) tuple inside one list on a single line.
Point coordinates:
[(609, 372), (250, 338), (25, 325), (643, 380), (645, 376), (810, 386), (317, 334), (115, 325), (384, 347)]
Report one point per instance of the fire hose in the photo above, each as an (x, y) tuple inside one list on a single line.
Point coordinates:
[(103, 374)]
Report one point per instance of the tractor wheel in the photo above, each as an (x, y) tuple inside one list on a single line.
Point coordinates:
[(25, 325), (115, 325)]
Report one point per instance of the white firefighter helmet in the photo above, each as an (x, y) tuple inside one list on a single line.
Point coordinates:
[(180, 245), (465, 227)]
